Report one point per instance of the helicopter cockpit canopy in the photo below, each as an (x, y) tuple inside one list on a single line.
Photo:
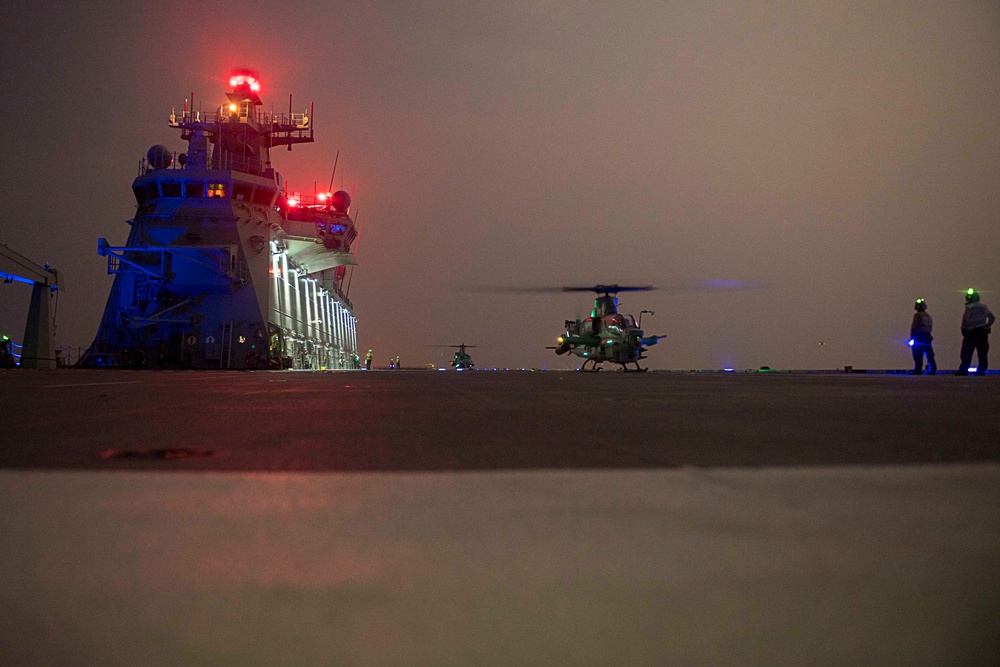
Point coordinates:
[(605, 305)]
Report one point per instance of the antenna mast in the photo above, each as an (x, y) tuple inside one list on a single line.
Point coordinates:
[(334, 171)]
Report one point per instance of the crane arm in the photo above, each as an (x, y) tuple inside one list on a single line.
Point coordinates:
[(16, 267)]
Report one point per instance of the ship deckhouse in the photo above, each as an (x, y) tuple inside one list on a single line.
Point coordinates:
[(223, 268)]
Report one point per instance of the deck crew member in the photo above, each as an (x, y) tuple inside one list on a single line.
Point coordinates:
[(976, 322), (920, 339)]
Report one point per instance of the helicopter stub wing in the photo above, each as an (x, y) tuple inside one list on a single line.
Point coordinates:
[(587, 341)]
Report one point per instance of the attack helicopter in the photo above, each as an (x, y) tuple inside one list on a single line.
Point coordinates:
[(606, 335), (610, 336), (463, 359)]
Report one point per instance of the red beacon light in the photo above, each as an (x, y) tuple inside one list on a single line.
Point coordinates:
[(247, 80), (323, 196), (293, 201)]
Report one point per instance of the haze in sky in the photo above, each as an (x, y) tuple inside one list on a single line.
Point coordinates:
[(842, 155)]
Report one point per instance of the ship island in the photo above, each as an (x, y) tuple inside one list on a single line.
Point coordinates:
[(225, 267)]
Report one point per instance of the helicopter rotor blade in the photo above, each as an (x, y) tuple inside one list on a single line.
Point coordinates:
[(694, 286), (610, 289), (511, 290), (679, 287)]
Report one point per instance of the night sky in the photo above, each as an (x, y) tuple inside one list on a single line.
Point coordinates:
[(843, 156)]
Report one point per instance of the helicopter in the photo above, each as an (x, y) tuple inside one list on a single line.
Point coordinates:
[(463, 359), (606, 335)]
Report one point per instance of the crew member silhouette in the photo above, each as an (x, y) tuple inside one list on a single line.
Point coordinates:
[(976, 322), (920, 339)]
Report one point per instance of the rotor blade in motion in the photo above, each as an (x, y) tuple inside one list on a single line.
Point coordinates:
[(692, 286), (679, 287), (609, 289)]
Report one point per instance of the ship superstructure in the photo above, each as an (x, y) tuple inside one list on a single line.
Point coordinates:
[(225, 268)]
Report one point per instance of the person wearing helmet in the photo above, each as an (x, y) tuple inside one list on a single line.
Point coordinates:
[(920, 339), (976, 322), (368, 360)]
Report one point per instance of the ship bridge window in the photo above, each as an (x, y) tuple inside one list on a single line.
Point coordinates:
[(194, 189), (263, 196), (242, 191), (152, 190), (140, 195), (171, 189), (217, 190)]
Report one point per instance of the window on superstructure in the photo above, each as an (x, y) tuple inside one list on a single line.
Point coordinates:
[(140, 195), (217, 190), (171, 189), (242, 191), (152, 190), (194, 189)]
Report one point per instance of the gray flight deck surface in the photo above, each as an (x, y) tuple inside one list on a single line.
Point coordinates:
[(401, 517)]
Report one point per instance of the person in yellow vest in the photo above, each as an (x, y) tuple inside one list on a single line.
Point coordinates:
[(368, 360)]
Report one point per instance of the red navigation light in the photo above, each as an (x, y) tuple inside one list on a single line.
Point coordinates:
[(248, 80), (323, 196), (293, 202)]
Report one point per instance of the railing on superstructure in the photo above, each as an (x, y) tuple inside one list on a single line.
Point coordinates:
[(275, 122), (224, 162)]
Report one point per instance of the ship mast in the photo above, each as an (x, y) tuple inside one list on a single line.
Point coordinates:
[(239, 136)]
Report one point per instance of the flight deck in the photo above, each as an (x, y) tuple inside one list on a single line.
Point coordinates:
[(428, 518)]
